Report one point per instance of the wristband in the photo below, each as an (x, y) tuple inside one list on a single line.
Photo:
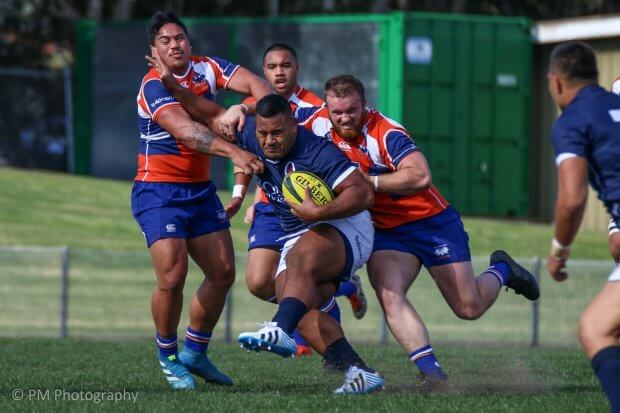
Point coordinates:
[(244, 108), (375, 182), (559, 251), (237, 191)]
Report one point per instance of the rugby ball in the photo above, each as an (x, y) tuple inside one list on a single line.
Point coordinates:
[(294, 188)]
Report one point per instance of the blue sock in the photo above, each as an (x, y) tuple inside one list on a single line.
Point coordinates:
[(290, 311), (347, 288), (606, 365), (299, 340), (341, 355), (167, 346), (197, 341), (331, 307), (425, 360), (501, 270)]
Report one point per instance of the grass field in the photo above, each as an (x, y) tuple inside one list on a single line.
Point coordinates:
[(111, 281), (481, 379)]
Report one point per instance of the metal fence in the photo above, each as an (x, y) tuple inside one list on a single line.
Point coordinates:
[(92, 293)]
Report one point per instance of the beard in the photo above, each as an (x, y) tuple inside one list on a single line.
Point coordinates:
[(349, 134)]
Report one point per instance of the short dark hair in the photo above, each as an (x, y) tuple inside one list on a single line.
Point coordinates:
[(575, 61), (272, 105), (161, 18), (280, 46), (344, 85)]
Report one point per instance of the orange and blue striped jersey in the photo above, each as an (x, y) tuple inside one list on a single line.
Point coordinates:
[(161, 158), (377, 150)]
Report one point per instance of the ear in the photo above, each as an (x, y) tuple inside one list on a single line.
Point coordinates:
[(152, 50), (556, 84)]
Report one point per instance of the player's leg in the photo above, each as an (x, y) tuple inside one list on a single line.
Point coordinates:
[(614, 240), (599, 330), (354, 292), (391, 274)]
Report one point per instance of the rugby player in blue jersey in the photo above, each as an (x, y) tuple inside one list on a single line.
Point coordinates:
[(586, 140)]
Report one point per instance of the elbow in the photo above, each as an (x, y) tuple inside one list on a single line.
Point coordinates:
[(424, 182)]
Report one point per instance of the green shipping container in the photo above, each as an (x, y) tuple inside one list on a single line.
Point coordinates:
[(466, 101)]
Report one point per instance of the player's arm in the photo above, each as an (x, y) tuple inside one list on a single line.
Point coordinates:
[(569, 209), (198, 137), (352, 196), (247, 83), (239, 190), (412, 175)]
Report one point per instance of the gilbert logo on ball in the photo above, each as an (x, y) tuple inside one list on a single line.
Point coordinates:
[(294, 188)]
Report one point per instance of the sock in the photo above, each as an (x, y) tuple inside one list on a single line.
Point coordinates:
[(331, 307), (273, 300), (290, 311), (425, 360), (341, 355), (197, 341), (167, 346), (347, 288), (501, 270), (299, 340), (606, 365)]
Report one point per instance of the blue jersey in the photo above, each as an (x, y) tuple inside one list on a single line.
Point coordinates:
[(309, 154), (590, 127)]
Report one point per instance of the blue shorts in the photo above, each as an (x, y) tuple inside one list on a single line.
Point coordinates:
[(177, 210), (438, 240), (266, 230)]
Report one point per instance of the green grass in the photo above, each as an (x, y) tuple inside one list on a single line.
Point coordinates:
[(481, 379)]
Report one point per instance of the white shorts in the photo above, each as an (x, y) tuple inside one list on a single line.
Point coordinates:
[(612, 227), (615, 275), (358, 235)]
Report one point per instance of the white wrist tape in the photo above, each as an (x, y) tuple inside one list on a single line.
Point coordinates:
[(559, 251), (238, 191), (375, 182)]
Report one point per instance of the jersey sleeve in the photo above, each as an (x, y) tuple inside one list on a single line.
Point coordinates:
[(570, 138), (224, 71), (246, 138), (397, 146), (311, 119), (157, 98), (333, 165)]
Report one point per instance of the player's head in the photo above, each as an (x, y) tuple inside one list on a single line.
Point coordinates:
[(572, 65), (276, 128), (168, 35), (345, 100), (280, 68)]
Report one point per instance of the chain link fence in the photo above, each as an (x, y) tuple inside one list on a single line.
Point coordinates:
[(90, 293)]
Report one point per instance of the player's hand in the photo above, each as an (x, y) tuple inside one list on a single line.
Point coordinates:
[(249, 215), (557, 268), (232, 121), (165, 74), (308, 210), (248, 162), (233, 206)]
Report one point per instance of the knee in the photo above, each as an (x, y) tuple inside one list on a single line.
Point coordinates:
[(224, 276), (588, 331), (260, 286), (468, 310), (390, 300), (171, 281)]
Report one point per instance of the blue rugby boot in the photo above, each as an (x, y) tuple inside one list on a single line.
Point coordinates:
[(360, 381), (269, 338), (176, 373), (200, 365)]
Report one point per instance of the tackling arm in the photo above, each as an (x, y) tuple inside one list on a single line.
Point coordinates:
[(412, 175)]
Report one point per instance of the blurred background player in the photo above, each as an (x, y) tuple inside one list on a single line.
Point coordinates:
[(280, 68), (586, 141), (414, 225), (323, 244), (174, 200)]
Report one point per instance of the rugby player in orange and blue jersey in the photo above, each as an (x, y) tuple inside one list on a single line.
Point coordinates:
[(174, 201), (414, 224)]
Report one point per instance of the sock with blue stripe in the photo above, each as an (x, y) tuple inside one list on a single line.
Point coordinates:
[(606, 365), (197, 341), (501, 271), (167, 346), (424, 358), (331, 307), (347, 289), (290, 311), (299, 340)]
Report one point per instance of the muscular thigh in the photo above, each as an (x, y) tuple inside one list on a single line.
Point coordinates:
[(261, 267), (320, 251), (169, 258), (604, 310), (392, 270), (456, 282), (213, 252)]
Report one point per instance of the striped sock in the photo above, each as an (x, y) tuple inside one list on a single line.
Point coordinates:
[(425, 360), (331, 307), (501, 270), (197, 340), (347, 289), (167, 346)]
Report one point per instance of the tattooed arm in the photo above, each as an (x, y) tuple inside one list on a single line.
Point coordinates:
[(199, 138)]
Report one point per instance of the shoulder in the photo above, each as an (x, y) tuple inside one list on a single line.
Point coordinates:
[(382, 127), (309, 97)]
